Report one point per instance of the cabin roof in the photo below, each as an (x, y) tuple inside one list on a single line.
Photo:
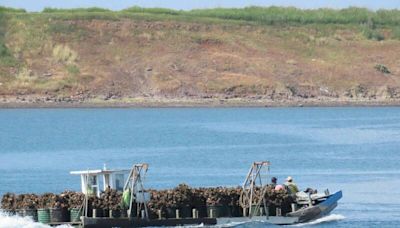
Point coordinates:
[(99, 171)]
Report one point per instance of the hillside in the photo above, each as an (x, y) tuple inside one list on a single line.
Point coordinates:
[(251, 56)]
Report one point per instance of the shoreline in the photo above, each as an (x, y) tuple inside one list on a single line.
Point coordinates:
[(201, 103)]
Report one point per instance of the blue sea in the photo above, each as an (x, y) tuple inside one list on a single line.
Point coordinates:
[(356, 150)]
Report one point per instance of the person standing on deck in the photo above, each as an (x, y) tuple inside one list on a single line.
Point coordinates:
[(274, 181), (292, 187)]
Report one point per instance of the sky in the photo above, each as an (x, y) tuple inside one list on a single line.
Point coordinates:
[(38, 5)]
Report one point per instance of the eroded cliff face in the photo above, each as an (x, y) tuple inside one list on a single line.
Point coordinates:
[(47, 59)]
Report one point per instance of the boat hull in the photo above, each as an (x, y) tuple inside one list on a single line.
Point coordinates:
[(319, 210), (300, 216)]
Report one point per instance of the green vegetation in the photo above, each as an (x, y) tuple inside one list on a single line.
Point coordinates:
[(73, 69), (279, 15), (64, 54), (396, 33), (11, 10), (369, 21), (75, 10), (137, 9), (373, 34), (6, 58), (382, 68), (266, 15), (62, 28)]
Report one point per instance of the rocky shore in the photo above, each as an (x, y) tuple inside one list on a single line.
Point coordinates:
[(34, 101)]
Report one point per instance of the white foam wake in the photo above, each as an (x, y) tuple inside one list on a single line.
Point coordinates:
[(14, 221), (329, 218)]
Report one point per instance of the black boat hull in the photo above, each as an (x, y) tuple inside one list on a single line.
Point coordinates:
[(319, 210), (299, 216)]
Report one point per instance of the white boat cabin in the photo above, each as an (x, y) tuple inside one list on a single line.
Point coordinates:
[(90, 180)]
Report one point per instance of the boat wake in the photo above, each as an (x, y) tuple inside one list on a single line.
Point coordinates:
[(326, 219), (248, 224), (14, 221), (256, 224)]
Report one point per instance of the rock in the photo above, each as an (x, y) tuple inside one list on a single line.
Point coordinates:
[(47, 74), (291, 62), (393, 92)]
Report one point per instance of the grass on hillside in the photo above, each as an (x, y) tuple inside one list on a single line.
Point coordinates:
[(267, 15), (11, 10), (369, 22), (6, 57)]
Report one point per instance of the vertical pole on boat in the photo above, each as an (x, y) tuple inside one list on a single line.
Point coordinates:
[(128, 181), (135, 183), (86, 194), (250, 192), (263, 196)]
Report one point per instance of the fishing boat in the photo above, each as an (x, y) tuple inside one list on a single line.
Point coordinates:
[(135, 206), (305, 208)]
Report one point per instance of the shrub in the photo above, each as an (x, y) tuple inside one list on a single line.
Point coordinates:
[(73, 69), (64, 54), (4, 52), (382, 68), (396, 33), (373, 34), (6, 58), (62, 28)]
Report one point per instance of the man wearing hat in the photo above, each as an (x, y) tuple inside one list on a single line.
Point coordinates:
[(292, 187)]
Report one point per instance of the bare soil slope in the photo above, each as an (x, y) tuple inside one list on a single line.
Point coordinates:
[(137, 60)]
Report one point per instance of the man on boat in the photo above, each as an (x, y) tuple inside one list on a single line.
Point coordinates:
[(274, 181), (291, 186), (274, 184)]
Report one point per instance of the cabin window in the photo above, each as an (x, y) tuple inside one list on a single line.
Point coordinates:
[(107, 181), (93, 180), (119, 182), (93, 187)]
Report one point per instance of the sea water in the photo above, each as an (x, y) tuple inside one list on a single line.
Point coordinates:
[(356, 150)]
